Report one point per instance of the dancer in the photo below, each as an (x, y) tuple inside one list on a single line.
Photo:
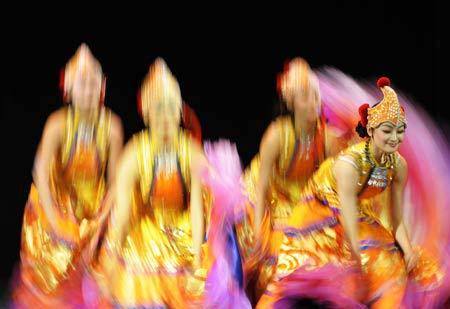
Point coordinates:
[(73, 171), (291, 150), (315, 251), (155, 252)]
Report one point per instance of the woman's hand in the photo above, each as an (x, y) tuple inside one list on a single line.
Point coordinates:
[(411, 260)]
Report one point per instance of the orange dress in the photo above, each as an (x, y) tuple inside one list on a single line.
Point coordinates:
[(314, 237), (50, 262), (295, 165), (152, 267)]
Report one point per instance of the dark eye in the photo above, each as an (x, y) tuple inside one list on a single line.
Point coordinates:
[(386, 131)]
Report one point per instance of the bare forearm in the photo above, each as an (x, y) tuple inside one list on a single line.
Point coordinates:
[(198, 232), (47, 150), (261, 190), (350, 222), (269, 152), (403, 240), (120, 214), (197, 217), (259, 213), (41, 180), (111, 175)]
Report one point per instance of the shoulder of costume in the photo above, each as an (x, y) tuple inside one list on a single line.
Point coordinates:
[(356, 152)]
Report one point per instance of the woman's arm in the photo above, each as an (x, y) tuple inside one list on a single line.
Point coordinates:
[(115, 150), (347, 177), (127, 172), (269, 151), (115, 147), (48, 146), (397, 193), (197, 212)]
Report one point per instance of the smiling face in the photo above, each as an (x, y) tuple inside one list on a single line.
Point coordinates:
[(387, 137)]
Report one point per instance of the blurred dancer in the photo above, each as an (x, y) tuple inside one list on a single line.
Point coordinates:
[(291, 150), (155, 254), (74, 167)]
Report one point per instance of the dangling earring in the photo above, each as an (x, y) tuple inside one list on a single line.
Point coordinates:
[(62, 85), (183, 122), (103, 92)]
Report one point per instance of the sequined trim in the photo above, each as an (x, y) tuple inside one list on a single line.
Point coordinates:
[(309, 198), (69, 244), (328, 222), (118, 306), (371, 243), (146, 271)]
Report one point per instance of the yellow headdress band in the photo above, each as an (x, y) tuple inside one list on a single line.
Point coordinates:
[(389, 108), (296, 77), (159, 86), (82, 62)]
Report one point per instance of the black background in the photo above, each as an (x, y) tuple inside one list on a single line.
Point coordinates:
[(225, 59)]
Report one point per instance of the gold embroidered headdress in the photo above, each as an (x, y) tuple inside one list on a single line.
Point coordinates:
[(389, 108)]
